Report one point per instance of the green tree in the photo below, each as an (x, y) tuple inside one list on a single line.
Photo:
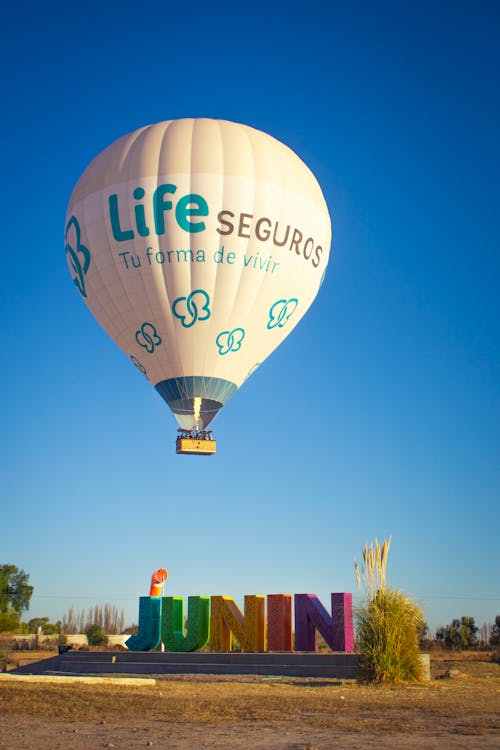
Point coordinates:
[(459, 634), (96, 635), (424, 636), (495, 632), (10, 622), (48, 628), (15, 591)]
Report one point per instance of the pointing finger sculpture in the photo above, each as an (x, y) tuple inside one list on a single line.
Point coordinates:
[(198, 245)]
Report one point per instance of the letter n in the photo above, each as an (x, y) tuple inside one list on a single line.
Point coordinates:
[(172, 623), (227, 622), (342, 624), (148, 635), (311, 616), (279, 622)]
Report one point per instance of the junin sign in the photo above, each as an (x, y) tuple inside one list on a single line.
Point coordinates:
[(217, 622)]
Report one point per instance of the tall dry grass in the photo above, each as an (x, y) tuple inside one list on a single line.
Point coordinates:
[(387, 623)]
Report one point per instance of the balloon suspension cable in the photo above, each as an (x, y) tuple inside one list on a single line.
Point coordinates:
[(195, 434)]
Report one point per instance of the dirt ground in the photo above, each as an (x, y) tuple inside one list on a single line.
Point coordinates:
[(191, 712)]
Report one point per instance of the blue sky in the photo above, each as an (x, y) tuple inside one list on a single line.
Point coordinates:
[(378, 416)]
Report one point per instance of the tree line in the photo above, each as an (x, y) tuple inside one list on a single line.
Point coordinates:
[(15, 597), (462, 633)]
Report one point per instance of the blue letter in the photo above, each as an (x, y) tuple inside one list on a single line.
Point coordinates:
[(118, 234), (182, 211), (148, 636)]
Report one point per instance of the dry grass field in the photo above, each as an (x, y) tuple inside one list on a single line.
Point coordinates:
[(190, 712)]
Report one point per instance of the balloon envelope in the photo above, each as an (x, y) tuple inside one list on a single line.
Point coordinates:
[(198, 245)]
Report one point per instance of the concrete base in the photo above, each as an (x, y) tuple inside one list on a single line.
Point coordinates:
[(58, 679), (296, 664)]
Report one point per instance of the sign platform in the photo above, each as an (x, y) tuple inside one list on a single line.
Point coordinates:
[(340, 666)]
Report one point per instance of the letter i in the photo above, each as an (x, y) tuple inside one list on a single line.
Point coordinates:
[(140, 218)]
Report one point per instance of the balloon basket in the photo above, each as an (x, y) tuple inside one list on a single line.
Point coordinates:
[(200, 444)]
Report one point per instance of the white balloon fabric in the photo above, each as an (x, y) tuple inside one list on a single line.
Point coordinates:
[(198, 245)]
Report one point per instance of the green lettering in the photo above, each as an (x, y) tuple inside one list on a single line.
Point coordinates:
[(198, 623)]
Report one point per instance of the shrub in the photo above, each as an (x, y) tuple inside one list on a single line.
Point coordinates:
[(96, 635), (388, 624), (387, 638)]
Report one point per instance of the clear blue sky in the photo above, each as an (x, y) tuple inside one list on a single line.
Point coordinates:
[(378, 416)]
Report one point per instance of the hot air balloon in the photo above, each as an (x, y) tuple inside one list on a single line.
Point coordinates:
[(198, 245)]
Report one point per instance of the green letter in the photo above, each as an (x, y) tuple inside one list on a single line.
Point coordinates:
[(172, 623)]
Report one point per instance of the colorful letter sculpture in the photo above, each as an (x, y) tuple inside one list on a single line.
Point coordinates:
[(227, 621), (279, 622), (220, 621), (198, 623), (148, 635), (343, 632), (311, 616)]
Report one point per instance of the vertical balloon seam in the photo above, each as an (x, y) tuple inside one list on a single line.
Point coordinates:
[(244, 130), (89, 281), (115, 314), (92, 270), (117, 318), (160, 272), (305, 302), (156, 132), (133, 155), (218, 276), (219, 368), (284, 154), (178, 333), (253, 136), (120, 318), (125, 147), (275, 149), (104, 298), (212, 386), (190, 178), (206, 353)]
